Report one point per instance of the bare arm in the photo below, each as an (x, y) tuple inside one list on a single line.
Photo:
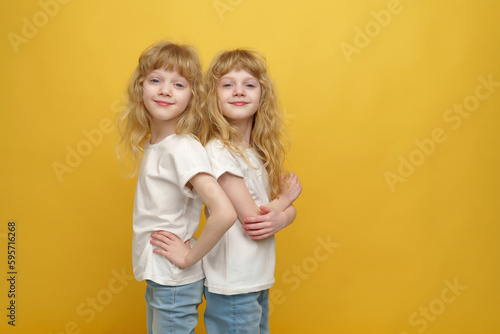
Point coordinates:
[(270, 223), (261, 222), (222, 217), (290, 192)]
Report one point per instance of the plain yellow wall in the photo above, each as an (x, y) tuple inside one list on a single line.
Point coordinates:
[(393, 113)]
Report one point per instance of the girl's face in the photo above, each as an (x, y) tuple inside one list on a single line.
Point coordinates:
[(239, 95), (166, 95)]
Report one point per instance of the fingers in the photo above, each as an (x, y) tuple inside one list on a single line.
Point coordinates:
[(298, 189), (255, 226), (259, 234), (256, 219), (294, 188), (160, 244), (164, 239), (295, 183), (289, 179), (292, 183), (266, 209), (167, 234), (261, 218), (160, 252), (161, 237), (260, 237)]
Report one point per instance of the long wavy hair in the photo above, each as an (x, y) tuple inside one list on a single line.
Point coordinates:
[(134, 123), (267, 137)]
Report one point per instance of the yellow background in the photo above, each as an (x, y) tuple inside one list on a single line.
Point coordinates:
[(395, 247)]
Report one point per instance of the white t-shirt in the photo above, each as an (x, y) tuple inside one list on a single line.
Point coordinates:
[(164, 202), (238, 264)]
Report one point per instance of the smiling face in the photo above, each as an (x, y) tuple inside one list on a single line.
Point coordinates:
[(166, 95), (239, 95)]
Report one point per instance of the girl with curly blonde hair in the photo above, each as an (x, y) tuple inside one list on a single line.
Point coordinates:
[(246, 148), (164, 122)]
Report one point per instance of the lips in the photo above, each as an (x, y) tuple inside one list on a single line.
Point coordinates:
[(163, 103), (239, 103)]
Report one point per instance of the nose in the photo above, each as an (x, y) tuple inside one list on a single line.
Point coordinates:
[(239, 90), (165, 90)]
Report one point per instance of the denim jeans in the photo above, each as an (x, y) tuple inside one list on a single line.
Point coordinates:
[(246, 313), (173, 309)]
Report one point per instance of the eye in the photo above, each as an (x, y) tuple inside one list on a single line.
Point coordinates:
[(226, 85), (250, 85), (154, 81), (178, 85)]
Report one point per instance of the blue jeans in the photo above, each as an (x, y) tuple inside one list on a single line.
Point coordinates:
[(173, 309), (246, 313)]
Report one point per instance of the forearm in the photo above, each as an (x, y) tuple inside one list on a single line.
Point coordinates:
[(240, 197), (279, 204), (216, 225), (222, 217), (291, 213), (289, 193)]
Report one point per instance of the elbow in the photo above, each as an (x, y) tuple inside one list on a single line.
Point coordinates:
[(224, 217), (230, 217), (227, 217)]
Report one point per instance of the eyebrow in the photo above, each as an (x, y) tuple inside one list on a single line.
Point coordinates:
[(244, 79), (179, 77)]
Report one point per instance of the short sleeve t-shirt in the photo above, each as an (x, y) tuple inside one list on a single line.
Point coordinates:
[(238, 264), (163, 201)]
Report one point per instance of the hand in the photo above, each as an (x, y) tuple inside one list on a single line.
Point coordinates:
[(171, 247), (292, 188), (266, 225)]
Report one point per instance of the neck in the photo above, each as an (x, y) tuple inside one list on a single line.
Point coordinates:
[(244, 128), (160, 130)]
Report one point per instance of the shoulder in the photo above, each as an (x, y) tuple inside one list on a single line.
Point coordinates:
[(185, 139), (181, 143), (183, 150), (222, 159), (215, 144), (216, 149)]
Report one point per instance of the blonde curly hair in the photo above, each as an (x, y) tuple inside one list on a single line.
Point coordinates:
[(134, 124), (268, 137)]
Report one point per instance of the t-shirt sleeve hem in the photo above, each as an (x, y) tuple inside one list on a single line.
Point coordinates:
[(188, 176), (222, 160), (230, 171)]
